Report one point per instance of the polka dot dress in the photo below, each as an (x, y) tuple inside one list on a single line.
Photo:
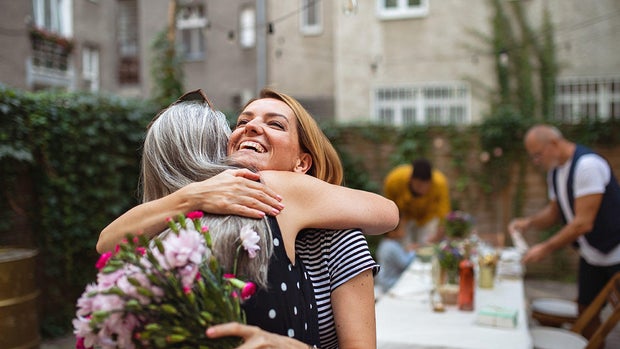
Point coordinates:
[(288, 306)]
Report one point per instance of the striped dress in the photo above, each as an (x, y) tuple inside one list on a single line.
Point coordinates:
[(332, 258)]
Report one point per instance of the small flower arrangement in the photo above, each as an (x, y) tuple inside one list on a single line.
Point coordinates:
[(37, 33), (163, 293), (458, 224), (449, 254)]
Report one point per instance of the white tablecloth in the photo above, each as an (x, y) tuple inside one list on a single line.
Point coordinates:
[(405, 318)]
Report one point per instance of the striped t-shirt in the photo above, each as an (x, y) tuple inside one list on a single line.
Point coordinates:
[(332, 257)]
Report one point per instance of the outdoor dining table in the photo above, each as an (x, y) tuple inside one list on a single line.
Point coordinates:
[(405, 318)]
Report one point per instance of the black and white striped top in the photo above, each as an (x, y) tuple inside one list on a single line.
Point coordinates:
[(331, 259)]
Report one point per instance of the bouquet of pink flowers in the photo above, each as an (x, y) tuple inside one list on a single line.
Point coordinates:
[(163, 293)]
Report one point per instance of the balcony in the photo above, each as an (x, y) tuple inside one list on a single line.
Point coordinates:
[(50, 62)]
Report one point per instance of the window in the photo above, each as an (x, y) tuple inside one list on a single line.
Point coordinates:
[(51, 42), (191, 22), (54, 16), (311, 20), (399, 9), (587, 97), (247, 28), (423, 104), (90, 68), (129, 63)]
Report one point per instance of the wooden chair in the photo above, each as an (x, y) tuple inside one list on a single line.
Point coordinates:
[(609, 294)]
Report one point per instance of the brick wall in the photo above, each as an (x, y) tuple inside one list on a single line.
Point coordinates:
[(492, 212)]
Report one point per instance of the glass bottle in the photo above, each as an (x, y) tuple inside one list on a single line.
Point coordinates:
[(466, 282)]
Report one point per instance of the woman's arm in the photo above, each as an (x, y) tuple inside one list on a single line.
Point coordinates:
[(353, 304), (318, 204), (230, 192)]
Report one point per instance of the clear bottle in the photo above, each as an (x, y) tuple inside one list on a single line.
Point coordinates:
[(465, 299)]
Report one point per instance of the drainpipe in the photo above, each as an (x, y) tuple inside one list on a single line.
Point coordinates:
[(261, 45)]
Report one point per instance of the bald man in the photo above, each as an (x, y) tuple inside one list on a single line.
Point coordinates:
[(584, 195)]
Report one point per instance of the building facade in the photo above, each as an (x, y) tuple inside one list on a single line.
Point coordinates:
[(383, 61)]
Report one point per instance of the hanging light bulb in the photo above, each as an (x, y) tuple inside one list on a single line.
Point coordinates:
[(349, 7)]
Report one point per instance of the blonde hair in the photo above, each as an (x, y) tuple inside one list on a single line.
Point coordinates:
[(186, 143), (326, 164)]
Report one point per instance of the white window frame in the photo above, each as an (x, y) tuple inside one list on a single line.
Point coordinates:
[(90, 67), (60, 16), (577, 98), (308, 7), (247, 27), (431, 103), (402, 10), (194, 25)]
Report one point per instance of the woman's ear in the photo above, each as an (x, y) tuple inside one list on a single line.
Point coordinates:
[(303, 164)]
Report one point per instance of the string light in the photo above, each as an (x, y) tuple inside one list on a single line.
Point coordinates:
[(349, 7)]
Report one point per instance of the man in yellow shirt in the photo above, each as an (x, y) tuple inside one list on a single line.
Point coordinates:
[(422, 196)]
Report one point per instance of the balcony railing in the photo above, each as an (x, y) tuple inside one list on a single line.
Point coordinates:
[(50, 63), (50, 54)]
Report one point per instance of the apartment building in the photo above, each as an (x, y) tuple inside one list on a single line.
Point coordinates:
[(389, 61), (107, 45), (423, 62)]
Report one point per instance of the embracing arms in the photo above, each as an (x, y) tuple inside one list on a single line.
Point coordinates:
[(314, 203), (230, 192), (323, 205)]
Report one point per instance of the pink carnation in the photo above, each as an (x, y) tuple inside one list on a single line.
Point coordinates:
[(195, 215), (103, 260), (249, 240), (187, 247), (248, 290)]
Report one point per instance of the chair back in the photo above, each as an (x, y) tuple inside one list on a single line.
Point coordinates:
[(610, 294)]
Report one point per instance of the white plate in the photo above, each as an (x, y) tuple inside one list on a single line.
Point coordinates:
[(555, 306), (556, 338)]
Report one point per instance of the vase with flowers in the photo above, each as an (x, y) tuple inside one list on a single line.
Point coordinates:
[(449, 256), (458, 224)]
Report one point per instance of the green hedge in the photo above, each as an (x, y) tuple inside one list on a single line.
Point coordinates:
[(78, 155)]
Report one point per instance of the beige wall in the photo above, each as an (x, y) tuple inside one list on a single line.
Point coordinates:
[(586, 34), (227, 69), (431, 49), (302, 65), (94, 25), (15, 42), (436, 48)]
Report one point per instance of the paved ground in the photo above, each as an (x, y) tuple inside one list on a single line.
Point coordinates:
[(533, 289)]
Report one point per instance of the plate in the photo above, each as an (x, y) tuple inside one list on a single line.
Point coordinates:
[(555, 306), (556, 338)]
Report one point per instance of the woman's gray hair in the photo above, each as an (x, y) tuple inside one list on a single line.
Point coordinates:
[(186, 143)]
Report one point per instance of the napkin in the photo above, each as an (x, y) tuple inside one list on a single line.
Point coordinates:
[(497, 317)]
